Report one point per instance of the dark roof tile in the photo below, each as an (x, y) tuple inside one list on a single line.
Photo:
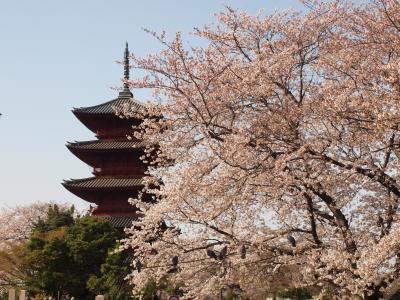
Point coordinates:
[(111, 107), (107, 145), (104, 182), (120, 222)]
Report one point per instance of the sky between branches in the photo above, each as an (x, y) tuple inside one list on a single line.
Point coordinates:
[(56, 55)]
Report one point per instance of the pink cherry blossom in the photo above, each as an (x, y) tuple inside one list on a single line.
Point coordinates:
[(279, 138)]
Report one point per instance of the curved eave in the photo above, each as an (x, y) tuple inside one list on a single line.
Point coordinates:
[(92, 156), (106, 145), (111, 107), (93, 116), (104, 183), (121, 221), (102, 123), (92, 121), (124, 144), (81, 116), (94, 189)]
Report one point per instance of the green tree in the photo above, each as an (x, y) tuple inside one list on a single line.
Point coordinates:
[(55, 219), (111, 281), (63, 253)]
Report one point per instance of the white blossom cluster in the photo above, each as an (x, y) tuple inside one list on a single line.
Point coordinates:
[(16, 225), (276, 158), (17, 222)]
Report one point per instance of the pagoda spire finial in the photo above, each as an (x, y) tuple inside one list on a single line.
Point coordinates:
[(126, 92), (126, 66)]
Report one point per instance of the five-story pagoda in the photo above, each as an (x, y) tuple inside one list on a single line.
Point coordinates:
[(117, 168)]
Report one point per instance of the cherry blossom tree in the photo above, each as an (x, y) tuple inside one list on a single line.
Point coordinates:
[(16, 226), (17, 222), (277, 150)]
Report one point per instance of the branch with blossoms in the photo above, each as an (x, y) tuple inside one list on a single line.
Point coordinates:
[(277, 151)]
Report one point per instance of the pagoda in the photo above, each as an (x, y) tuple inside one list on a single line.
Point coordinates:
[(115, 159)]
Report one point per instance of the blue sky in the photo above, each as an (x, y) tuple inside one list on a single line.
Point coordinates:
[(55, 55)]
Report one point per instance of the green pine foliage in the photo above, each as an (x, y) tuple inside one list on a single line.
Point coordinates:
[(111, 281), (55, 219), (66, 255)]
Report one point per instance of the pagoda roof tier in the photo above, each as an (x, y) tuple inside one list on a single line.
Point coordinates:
[(104, 183), (119, 221), (104, 119), (125, 100), (99, 145)]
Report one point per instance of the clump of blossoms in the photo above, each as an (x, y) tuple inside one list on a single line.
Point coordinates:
[(16, 225), (17, 222), (278, 153)]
